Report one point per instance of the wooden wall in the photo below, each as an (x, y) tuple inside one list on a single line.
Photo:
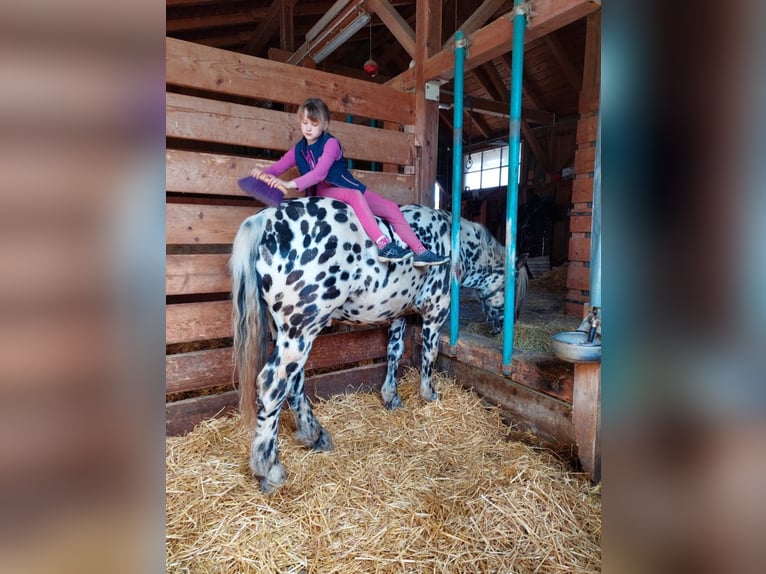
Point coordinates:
[(225, 114), (578, 271)]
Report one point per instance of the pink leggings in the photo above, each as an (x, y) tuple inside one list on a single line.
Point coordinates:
[(369, 204)]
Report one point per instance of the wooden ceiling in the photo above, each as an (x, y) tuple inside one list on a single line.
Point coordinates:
[(274, 29)]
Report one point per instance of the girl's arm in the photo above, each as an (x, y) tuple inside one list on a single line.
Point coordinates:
[(278, 167), (332, 153)]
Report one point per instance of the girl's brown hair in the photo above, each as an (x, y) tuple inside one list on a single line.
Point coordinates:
[(315, 109)]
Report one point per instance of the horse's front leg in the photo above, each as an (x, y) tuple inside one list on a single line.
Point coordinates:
[(389, 391), (308, 429), (264, 452), (429, 352)]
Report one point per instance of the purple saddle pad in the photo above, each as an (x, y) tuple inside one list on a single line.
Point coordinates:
[(261, 191)]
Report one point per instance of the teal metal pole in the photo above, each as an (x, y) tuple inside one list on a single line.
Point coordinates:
[(349, 162), (512, 199), (374, 164), (457, 189), (595, 230)]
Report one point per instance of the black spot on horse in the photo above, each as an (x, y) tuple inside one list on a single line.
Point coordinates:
[(308, 255)]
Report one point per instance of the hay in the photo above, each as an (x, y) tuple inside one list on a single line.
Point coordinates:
[(554, 281), (532, 336), (433, 487)]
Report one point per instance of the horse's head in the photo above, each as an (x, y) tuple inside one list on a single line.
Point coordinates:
[(492, 285)]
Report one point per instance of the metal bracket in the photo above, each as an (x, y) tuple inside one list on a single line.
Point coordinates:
[(523, 9), (432, 90)]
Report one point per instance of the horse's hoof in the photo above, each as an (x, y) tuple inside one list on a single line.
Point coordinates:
[(323, 442), (429, 397), (394, 403), (273, 480)]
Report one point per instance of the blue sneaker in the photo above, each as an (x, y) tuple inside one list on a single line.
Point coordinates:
[(428, 258), (392, 253)]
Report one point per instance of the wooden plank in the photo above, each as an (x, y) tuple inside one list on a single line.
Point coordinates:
[(217, 174), (368, 378), (197, 273), (542, 414), (586, 417), (203, 224), (538, 371), (198, 370), (214, 367), (585, 158), (582, 189), (202, 119), (187, 322), (578, 276), (194, 65), (580, 223), (587, 128), (579, 248), (182, 416), (209, 173), (496, 38)]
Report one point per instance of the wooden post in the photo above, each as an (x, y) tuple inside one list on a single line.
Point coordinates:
[(427, 43), (586, 417)]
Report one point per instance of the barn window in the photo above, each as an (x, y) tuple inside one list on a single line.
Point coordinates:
[(487, 169)]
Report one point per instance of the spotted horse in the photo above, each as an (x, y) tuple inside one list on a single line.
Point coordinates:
[(309, 262)]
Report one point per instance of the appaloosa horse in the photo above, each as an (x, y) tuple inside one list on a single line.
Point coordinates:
[(308, 262)]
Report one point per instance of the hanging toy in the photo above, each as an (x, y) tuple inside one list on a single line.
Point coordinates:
[(371, 68)]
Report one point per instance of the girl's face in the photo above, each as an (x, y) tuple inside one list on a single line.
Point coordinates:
[(312, 129)]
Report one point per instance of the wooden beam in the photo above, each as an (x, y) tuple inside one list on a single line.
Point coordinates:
[(494, 108), (177, 25), (286, 28), (495, 39), (559, 54), (534, 145), (428, 23), (491, 81), (586, 417), (397, 25), (266, 28), (477, 19)]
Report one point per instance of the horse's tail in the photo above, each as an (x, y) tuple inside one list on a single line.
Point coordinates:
[(248, 315), (522, 282)]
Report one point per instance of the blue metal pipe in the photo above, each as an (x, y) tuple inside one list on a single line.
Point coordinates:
[(517, 68), (374, 164), (595, 229), (349, 162), (457, 189)]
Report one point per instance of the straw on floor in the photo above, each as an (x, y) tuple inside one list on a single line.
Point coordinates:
[(431, 487)]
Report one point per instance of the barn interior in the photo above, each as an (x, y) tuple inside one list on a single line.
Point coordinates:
[(235, 73), (384, 33)]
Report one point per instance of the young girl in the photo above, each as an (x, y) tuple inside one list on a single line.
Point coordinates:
[(319, 159)]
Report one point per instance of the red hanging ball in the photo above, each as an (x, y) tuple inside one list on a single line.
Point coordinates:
[(370, 68)]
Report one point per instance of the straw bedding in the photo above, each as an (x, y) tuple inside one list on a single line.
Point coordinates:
[(431, 487)]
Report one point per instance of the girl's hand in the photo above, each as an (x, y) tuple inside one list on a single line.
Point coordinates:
[(279, 183)]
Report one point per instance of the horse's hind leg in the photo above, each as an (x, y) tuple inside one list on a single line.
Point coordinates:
[(309, 431), (264, 453), (389, 391)]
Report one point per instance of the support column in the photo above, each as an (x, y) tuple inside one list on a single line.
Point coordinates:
[(428, 30)]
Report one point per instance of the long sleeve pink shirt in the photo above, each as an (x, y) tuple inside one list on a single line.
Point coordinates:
[(320, 167)]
